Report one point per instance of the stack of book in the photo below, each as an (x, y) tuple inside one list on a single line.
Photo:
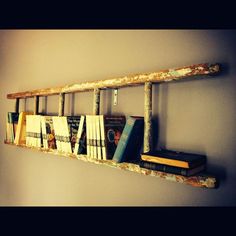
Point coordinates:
[(181, 163)]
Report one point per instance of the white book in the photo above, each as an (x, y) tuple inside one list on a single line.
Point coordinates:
[(98, 138), (44, 132), (90, 147), (56, 124), (88, 136), (66, 135), (37, 130), (94, 136), (102, 129), (28, 138)]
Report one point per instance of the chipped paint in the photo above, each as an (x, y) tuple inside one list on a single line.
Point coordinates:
[(196, 181), (131, 80)]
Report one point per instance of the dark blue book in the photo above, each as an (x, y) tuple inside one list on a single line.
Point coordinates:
[(130, 143)]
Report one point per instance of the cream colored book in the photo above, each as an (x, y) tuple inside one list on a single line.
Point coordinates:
[(66, 135), (98, 138), (56, 124), (94, 136), (88, 136), (102, 129), (29, 137), (36, 127)]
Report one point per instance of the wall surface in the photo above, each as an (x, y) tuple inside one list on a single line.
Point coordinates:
[(195, 115)]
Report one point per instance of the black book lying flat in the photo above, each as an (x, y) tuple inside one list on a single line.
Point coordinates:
[(174, 158), (172, 169)]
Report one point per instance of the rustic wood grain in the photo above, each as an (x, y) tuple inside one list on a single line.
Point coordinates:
[(61, 104), (147, 142), (96, 101), (202, 180), (131, 80)]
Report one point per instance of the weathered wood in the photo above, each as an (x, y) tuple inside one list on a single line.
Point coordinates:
[(36, 105), (17, 104), (147, 145), (61, 104), (200, 180), (96, 101), (131, 80)]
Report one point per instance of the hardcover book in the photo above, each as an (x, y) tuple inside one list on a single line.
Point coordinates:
[(174, 158), (20, 137), (130, 144), (111, 131), (172, 169)]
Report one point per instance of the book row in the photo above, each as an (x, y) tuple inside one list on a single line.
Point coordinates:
[(96, 136), (99, 136)]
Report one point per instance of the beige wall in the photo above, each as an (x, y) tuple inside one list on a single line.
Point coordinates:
[(197, 116)]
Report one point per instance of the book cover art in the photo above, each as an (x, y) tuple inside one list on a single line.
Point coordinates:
[(48, 132), (172, 169), (73, 126), (112, 130), (130, 144), (174, 158), (81, 144)]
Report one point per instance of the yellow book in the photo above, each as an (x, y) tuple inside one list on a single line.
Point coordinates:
[(20, 137), (174, 158)]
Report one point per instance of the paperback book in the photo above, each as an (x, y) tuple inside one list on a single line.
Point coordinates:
[(111, 131), (20, 137)]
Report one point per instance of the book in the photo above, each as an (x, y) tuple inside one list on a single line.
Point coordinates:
[(130, 144), (33, 131), (66, 129), (12, 123), (48, 132), (57, 130), (20, 137), (98, 136), (88, 137), (80, 144), (174, 158), (73, 127), (111, 131), (172, 169)]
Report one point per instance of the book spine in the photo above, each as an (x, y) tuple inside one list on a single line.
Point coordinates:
[(120, 150), (89, 141), (44, 132), (103, 146), (79, 134), (98, 138), (171, 169)]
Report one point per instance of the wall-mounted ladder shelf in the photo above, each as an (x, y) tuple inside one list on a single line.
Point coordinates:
[(195, 71)]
